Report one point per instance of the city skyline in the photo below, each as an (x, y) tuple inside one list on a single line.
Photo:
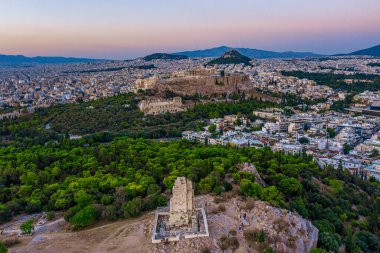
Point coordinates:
[(128, 29)]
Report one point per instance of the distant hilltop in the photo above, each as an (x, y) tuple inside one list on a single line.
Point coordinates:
[(251, 53), (21, 59), (231, 57), (163, 56), (372, 51)]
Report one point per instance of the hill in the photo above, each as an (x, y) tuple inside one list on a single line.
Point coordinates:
[(21, 59), (372, 51), (251, 53), (231, 57), (162, 56)]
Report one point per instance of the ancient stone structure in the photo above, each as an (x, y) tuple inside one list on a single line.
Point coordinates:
[(182, 219), (145, 84), (205, 85), (201, 72), (182, 206), (204, 81), (155, 106)]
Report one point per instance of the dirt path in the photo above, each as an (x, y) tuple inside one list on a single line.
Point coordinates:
[(124, 236)]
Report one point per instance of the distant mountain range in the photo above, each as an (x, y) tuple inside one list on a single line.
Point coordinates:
[(373, 51), (212, 52), (163, 56), (251, 53), (21, 59), (231, 57)]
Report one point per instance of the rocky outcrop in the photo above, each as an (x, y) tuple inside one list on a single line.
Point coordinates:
[(249, 167), (287, 231)]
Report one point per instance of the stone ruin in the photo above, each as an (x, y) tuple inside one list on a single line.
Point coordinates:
[(155, 106), (182, 219), (182, 206)]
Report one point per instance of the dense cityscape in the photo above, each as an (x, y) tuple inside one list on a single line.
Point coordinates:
[(190, 126)]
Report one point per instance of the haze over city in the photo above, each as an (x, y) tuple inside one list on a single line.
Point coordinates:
[(127, 29)]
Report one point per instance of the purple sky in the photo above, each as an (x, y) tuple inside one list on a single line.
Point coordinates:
[(120, 29)]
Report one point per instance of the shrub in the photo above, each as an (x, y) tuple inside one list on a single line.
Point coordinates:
[(83, 218), (205, 249), (71, 212), (232, 232), (50, 216), (262, 236), (221, 208), (251, 236), (269, 250), (11, 241), (109, 213), (27, 227), (229, 243), (132, 208), (218, 190)]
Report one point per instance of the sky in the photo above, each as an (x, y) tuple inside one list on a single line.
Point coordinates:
[(125, 29)]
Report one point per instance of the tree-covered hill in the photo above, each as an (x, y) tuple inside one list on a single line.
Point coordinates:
[(118, 115), (163, 56), (231, 57), (336, 81), (90, 180)]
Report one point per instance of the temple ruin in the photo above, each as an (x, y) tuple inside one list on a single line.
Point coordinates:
[(182, 219), (155, 106)]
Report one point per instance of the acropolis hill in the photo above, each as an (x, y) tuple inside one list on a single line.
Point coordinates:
[(209, 82)]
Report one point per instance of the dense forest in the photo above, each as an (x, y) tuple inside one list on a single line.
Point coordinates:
[(335, 81), (118, 115), (124, 177)]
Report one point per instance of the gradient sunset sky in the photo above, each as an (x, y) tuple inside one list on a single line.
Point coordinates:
[(122, 29)]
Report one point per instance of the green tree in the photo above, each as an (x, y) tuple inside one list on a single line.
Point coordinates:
[(329, 241), (290, 186), (272, 195), (303, 140), (374, 153), (250, 189), (82, 198), (346, 148), (368, 242), (331, 132), (351, 244), (299, 206), (212, 128)]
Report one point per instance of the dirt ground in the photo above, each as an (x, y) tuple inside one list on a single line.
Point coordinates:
[(124, 236), (134, 235)]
